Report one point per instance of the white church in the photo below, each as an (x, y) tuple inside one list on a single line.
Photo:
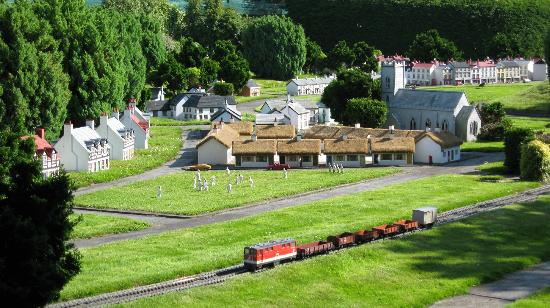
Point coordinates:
[(427, 109)]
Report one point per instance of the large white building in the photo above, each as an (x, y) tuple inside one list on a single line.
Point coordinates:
[(120, 138), (308, 86), (421, 74), (83, 149), (299, 116)]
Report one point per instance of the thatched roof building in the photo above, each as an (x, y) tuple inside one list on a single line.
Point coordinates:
[(275, 131), (393, 145), (299, 147), (348, 146), (250, 147)]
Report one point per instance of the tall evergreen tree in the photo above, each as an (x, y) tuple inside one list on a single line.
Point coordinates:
[(429, 45), (194, 20)]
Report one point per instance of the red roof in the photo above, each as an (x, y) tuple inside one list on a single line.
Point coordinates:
[(42, 145), (423, 65), (143, 124)]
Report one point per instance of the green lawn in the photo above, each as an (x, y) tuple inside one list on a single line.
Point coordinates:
[(90, 225), (270, 89), (248, 117), (412, 272), (171, 122), (184, 252), (164, 145), (179, 197), (495, 168), (540, 299), (531, 99), (535, 124), (483, 146)]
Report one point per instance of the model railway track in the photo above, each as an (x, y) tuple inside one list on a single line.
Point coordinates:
[(219, 276)]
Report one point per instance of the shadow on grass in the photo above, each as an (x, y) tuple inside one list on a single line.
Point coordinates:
[(511, 239)]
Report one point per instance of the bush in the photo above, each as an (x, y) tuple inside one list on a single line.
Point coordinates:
[(223, 88), (495, 122), (535, 161), (368, 112), (513, 140)]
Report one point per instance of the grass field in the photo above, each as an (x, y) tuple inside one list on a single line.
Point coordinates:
[(90, 225), (179, 197), (270, 89), (164, 145), (412, 272), (540, 299), (171, 122), (483, 146), (536, 124), (189, 251), (529, 99)]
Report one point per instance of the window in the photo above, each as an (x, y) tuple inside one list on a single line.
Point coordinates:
[(413, 123), (293, 158), (385, 156), (399, 156), (306, 159), (261, 158), (247, 159), (353, 158), (340, 158), (445, 126), (212, 110), (428, 123), (473, 128), (200, 110)]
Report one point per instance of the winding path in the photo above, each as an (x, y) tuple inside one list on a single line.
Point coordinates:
[(163, 224)]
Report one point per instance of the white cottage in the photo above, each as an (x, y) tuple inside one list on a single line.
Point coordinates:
[(299, 153), (83, 149), (437, 148), (131, 119), (120, 138), (538, 71), (308, 86), (254, 153), (216, 147), (227, 113), (51, 160), (299, 116)]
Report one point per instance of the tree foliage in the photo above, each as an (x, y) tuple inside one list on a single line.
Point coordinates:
[(223, 88), (275, 47), (365, 57), (315, 57), (535, 161), (34, 89), (494, 120), (36, 260), (547, 50), (368, 112), (351, 83), (429, 45), (391, 25), (341, 55), (233, 66), (513, 140)]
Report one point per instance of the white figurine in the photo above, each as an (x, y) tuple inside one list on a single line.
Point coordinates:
[(199, 175), (285, 173), (251, 181), (237, 179), (341, 168), (159, 192), (227, 171), (229, 188), (195, 183), (241, 178), (205, 184), (213, 180), (200, 186)]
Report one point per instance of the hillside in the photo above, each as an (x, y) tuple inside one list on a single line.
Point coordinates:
[(391, 25)]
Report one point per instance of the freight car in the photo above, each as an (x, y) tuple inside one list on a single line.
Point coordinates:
[(275, 252)]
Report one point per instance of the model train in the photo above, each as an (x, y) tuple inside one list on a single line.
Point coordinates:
[(275, 252)]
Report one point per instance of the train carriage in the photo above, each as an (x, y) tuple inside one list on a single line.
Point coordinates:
[(314, 248), (406, 225), (386, 230), (365, 236), (342, 240), (269, 254)]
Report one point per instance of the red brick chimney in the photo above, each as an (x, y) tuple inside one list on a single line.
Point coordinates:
[(40, 132)]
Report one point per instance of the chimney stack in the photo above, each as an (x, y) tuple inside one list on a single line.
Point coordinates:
[(357, 125), (299, 137), (40, 132), (116, 114), (392, 128), (90, 124), (68, 129), (103, 119), (254, 137)]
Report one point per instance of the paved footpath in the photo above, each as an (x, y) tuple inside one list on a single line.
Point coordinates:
[(163, 224), (186, 156), (502, 292)]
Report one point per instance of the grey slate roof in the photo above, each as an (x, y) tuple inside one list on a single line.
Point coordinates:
[(312, 81), (507, 63), (252, 84), (155, 92), (266, 119), (460, 64), (464, 114), (209, 101), (236, 114), (299, 109), (426, 99), (87, 137), (158, 105)]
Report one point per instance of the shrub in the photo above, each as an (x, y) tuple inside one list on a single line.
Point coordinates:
[(535, 161), (494, 120), (368, 112), (513, 139), (223, 88)]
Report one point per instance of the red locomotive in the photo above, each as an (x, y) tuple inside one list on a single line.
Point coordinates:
[(269, 254), (275, 252)]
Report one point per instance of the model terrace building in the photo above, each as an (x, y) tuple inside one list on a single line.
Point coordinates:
[(51, 160), (120, 138), (308, 86), (83, 149), (203, 106)]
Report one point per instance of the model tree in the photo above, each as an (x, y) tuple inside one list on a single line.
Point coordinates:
[(341, 55), (368, 112), (315, 57), (275, 47), (429, 45), (365, 57), (35, 259), (233, 66)]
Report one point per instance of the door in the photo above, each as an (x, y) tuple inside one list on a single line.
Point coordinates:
[(409, 158), (315, 160), (270, 159), (329, 159), (238, 160), (282, 159)]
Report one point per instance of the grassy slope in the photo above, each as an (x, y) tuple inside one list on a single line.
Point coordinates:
[(98, 225), (184, 252), (532, 123), (164, 145), (540, 299), (270, 89), (483, 146), (179, 196), (171, 122), (413, 272), (518, 98)]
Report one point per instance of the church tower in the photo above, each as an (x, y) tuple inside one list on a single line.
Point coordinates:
[(393, 79)]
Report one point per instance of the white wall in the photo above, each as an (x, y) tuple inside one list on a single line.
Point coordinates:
[(214, 153), (292, 89), (142, 136), (115, 140), (539, 72), (426, 147), (347, 163)]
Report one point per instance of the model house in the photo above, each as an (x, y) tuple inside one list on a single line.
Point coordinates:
[(392, 151), (120, 138), (427, 109), (251, 88), (257, 153), (216, 147), (443, 74), (483, 72), (227, 113), (83, 149), (437, 148), (272, 119), (308, 86), (131, 119), (299, 116), (508, 71), (461, 72), (47, 154), (421, 74), (298, 152), (346, 152), (538, 70)]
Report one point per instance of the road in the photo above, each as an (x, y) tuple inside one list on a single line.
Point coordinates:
[(186, 156), (162, 224)]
